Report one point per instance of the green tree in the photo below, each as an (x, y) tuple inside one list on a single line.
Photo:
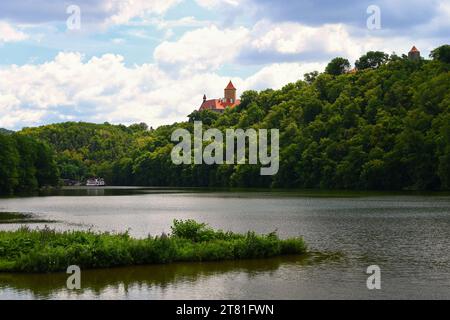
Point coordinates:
[(310, 77), (372, 59), (9, 165), (441, 53), (338, 66)]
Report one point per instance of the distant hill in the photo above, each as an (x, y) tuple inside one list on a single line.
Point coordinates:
[(5, 131), (89, 149)]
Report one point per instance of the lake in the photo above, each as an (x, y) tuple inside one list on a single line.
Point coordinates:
[(406, 235)]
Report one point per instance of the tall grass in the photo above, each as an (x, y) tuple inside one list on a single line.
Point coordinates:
[(47, 250)]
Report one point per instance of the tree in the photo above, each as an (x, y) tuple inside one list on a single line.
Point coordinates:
[(25, 164), (371, 60), (5, 131), (9, 165), (337, 66), (246, 98), (137, 127), (27, 149), (441, 53), (207, 117), (310, 77), (46, 169)]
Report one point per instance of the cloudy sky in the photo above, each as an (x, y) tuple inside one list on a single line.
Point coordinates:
[(152, 60)]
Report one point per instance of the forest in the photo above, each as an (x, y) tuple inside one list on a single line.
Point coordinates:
[(384, 126), (26, 164)]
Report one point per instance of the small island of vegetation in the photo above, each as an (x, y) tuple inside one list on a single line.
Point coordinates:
[(47, 250)]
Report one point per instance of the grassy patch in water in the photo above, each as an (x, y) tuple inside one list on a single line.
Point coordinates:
[(18, 218), (48, 250)]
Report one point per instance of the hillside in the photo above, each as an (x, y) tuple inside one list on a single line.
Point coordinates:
[(5, 131), (87, 149), (386, 126)]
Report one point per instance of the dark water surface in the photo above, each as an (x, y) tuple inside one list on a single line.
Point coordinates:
[(408, 236)]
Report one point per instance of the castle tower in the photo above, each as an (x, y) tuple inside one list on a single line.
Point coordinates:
[(414, 54), (230, 93)]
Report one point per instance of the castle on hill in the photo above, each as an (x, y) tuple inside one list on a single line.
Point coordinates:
[(230, 101), (219, 105)]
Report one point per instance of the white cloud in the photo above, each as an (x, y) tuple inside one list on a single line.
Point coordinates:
[(108, 12), (104, 89), (291, 38), (122, 11), (277, 75), (100, 89), (330, 40), (10, 34), (210, 48), (214, 4), (161, 23), (12, 114), (204, 49)]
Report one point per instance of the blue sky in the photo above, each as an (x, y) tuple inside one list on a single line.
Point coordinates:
[(152, 60)]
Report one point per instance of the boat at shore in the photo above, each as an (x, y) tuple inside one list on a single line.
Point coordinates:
[(95, 182)]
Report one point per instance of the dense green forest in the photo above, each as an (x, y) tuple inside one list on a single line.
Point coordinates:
[(385, 126), (26, 164), (5, 131)]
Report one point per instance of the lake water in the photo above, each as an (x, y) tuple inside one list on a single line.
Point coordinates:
[(407, 236)]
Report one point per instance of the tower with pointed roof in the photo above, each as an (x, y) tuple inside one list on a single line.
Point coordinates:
[(230, 93), (414, 54), (229, 100)]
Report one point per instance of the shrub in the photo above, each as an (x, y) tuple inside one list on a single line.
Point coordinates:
[(192, 230)]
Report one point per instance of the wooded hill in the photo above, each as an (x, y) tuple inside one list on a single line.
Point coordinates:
[(384, 127)]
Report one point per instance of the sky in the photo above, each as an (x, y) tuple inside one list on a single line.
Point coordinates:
[(131, 61)]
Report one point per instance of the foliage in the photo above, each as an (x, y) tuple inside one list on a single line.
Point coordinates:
[(338, 66), (87, 149), (5, 131), (441, 54), (25, 164), (372, 59), (384, 127), (48, 250), (310, 77)]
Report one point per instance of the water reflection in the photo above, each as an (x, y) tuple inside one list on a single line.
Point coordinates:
[(116, 191), (118, 281)]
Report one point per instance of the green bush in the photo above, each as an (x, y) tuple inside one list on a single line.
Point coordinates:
[(192, 230)]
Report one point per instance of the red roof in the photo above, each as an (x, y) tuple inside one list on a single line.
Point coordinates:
[(414, 49), (218, 104), (230, 86)]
